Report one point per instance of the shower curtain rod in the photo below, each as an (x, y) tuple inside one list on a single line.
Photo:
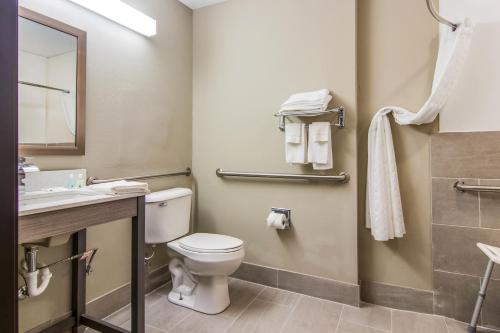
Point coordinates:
[(44, 86), (438, 17)]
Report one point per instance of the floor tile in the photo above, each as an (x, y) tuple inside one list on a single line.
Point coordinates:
[(279, 296), (412, 322), (119, 317), (313, 315), (241, 294), (261, 317), (202, 323), (165, 315), (368, 315), (347, 327)]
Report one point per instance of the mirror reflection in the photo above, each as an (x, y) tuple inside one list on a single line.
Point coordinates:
[(47, 85)]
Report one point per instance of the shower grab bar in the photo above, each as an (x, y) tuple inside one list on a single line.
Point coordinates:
[(94, 180), (343, 177), (461, 187)]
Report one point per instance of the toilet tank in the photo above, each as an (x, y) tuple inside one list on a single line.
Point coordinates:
[(167, 215)]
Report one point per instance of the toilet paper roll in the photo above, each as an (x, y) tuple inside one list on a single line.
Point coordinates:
[(276, 221)]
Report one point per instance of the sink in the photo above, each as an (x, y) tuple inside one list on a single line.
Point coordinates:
[(55, 198)]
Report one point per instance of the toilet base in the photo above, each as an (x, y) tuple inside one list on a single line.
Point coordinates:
[(210, 296)]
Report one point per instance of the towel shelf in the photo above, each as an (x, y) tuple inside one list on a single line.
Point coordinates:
[(461, 187), (94, 180), (339, 111), (344, 177)]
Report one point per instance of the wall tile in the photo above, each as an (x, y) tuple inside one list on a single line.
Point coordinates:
[(490, 206), (258, 274), (455, 250), (491, 309), (455, 295), (397, 297), (319, 287), (468, 155), (453, 207)]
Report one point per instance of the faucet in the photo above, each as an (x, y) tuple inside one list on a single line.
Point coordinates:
[(22, 165)]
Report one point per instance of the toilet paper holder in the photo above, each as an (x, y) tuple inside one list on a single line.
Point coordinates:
[(288, 214)]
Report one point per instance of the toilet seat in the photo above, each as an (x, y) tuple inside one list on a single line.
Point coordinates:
[(210, 243)]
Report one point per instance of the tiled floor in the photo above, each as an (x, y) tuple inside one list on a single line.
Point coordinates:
[(256, 308)]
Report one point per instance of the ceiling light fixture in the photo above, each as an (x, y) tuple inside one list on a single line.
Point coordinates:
[(121, 13)]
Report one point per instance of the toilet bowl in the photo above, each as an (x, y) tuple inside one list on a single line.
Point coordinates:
[(201, 262), (200, 280)]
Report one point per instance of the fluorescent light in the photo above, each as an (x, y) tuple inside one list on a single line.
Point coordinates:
[(121, 13)]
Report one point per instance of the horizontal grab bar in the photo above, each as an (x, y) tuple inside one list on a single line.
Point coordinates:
[(342, 178), (460, 186), (94, 180)]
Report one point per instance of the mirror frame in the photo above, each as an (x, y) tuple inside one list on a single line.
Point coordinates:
[(81, 36)]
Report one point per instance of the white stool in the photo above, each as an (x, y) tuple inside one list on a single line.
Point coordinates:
[(493, 253)]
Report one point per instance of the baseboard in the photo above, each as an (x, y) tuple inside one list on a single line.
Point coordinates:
[(332, 290), (397, 297)]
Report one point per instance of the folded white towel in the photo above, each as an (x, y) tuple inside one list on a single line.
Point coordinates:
[(315, 100), (320, 146), (296, 143), (120, 187)]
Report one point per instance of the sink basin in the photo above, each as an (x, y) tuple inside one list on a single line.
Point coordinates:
[(55, 198)]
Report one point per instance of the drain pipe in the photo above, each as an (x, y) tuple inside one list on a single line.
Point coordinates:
[(30, 274)]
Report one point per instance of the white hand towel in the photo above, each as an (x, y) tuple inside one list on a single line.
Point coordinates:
[(296, 143), (121, 187), (320, 105), (307, 97), (320, 146), (384, 212)]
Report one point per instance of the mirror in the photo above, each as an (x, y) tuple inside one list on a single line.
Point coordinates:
[(51, 86)]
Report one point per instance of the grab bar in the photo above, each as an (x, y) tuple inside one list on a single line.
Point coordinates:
[(94, 180), (344, 177), (461, 187)]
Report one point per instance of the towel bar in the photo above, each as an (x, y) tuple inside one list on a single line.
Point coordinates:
[(461, 187), (343, 177), (339, 111), (94, 180)]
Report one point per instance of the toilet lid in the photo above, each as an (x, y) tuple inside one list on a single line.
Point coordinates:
[(210, 243)]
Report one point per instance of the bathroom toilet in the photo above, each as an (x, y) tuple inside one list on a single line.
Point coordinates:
[(202, 262)]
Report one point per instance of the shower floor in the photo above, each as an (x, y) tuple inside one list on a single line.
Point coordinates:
[(256, 308)]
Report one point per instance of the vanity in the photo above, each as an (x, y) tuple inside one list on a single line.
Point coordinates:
[(46, 215)]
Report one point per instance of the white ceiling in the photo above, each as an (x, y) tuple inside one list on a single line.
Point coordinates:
[(195, 4)]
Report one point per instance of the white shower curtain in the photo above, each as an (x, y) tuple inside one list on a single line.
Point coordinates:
[(384, 213)]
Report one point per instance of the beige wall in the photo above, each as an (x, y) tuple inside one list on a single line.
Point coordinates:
[(138, 122), (249, 55), (397, 45)]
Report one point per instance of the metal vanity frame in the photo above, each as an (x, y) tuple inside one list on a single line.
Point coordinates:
[(76, 220)]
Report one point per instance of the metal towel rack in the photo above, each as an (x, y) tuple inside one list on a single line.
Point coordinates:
[(94, 180), (461, 187), (439, 18), (344, 177)]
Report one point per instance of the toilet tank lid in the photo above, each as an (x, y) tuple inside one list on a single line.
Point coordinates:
[(170, 194)]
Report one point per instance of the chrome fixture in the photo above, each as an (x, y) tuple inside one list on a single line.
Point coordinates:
[(339, 111), (439, 18), (288, 215), (342, 178), (461, 187), (94, 180), (22, 163)]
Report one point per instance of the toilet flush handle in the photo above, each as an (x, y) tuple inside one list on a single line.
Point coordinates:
[(163, 204)]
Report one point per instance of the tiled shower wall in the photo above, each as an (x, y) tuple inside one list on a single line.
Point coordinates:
[(461, 220)]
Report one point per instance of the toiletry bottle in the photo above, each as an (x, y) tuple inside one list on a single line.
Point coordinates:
[(71, 181), (80, 182)]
